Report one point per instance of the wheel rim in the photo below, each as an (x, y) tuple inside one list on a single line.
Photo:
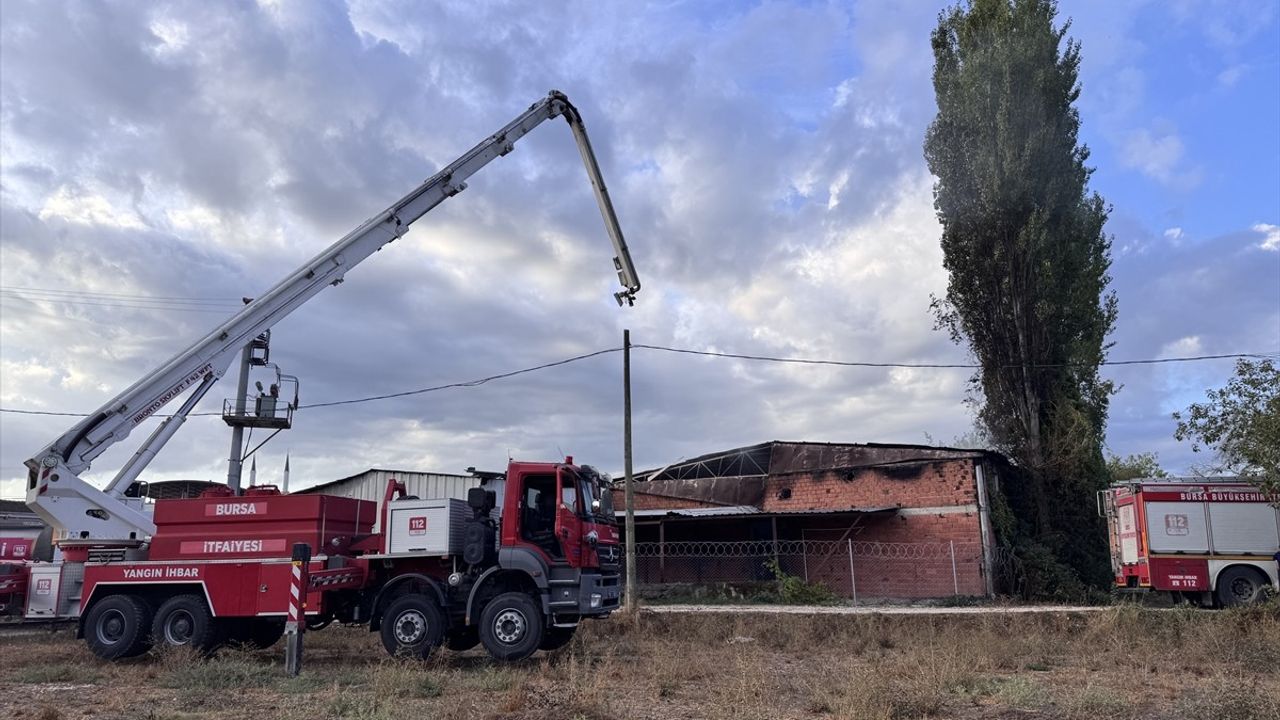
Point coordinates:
[(1242, 589), (179, 628), (110, 628), (510, 626), (410, 627)]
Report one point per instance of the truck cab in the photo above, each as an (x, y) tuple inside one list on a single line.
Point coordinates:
[(537, 554)]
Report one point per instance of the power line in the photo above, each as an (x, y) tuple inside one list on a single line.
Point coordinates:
[(469, 383), (179, 308), (684, 351), (125, 296), (940, 366)]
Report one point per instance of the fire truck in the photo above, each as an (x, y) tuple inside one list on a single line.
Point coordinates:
[(529, 553), (1210, 542)]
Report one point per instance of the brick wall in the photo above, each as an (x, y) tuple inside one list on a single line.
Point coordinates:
[(929, 484), (888, 573)]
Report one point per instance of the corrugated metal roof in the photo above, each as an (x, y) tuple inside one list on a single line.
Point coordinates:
[(695, 512), (835, 511)]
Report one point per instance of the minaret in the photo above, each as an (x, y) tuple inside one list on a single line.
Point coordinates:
[(284, 488), (253, 473)]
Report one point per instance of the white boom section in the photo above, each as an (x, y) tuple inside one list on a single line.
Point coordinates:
[(84, 514)]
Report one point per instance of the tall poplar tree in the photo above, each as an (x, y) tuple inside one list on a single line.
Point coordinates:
[(1028, 261)]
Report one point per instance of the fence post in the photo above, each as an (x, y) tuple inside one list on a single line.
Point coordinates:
[(296, 624), (955, 578), (853, 583), (804, 555)]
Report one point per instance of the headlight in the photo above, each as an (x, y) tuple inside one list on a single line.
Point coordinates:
[(595, 600)]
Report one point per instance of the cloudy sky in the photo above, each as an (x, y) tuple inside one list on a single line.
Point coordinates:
[(162, 160)]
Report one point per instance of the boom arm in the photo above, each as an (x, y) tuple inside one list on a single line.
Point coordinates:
[(84, 513)]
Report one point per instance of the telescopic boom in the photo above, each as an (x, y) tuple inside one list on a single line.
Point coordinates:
[(83, 514)]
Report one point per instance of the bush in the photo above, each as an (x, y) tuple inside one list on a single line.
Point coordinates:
[(795, 591)]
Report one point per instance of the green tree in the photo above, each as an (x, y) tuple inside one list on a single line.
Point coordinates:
[(1241, 423), (1133, 467), (1023, 243)]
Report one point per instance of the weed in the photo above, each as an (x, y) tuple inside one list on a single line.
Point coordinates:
[(228, 671)]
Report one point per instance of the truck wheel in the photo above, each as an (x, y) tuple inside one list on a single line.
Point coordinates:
[(412, 626), (1239, 586), (463, 639), (116, 627), (556, 638), (185, 621), (511, 626)]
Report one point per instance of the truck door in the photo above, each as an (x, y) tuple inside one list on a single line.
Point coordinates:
[(568, 516)]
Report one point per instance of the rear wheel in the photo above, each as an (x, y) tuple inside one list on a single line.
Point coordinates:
[(412, 626), (185, 621), (557, 637), (1240, 586), (511, 626), (117, 627)]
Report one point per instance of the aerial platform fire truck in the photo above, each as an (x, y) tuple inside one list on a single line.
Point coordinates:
[(1209, 542), (530, 552)]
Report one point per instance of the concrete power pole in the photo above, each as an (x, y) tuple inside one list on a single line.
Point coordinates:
[(234, 463), (631, 600)]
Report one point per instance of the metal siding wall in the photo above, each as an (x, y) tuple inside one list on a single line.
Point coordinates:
[(373, 486)]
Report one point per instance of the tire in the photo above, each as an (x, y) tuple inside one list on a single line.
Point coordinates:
[(556, 638), (511, 626), (463, 639), (412, 626), (185, 621), (1240, 585), (118, 626), (257, 633)]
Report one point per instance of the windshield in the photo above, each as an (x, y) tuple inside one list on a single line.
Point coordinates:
[(595, 489)]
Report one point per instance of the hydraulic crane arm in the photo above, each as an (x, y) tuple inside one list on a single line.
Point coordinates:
[(84, 513)]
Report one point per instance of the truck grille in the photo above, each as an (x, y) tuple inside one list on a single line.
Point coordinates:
[(609, 554)]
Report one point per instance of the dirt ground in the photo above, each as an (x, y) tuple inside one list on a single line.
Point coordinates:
[(1121, 662)]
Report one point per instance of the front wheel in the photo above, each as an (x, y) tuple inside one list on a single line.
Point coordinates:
[(412, 626), (117, 626), (511, 626)]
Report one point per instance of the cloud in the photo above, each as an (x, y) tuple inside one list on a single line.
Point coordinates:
[(765, 162), (1159, 156), (1173, 233), (1270, 236)]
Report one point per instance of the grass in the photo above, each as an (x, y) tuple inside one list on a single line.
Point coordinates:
[(1124, 662)]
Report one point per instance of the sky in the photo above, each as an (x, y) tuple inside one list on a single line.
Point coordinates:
[(159, 161)]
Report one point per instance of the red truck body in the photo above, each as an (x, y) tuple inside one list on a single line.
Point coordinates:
[(1207, 541), (548, 547)]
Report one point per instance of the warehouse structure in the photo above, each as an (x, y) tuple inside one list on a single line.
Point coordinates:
[(372, 485), (868, 520)]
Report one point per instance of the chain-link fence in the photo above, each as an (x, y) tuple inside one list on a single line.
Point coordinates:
[(859, 570)]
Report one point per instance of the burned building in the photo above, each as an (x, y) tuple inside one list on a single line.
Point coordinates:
[(866, 520)]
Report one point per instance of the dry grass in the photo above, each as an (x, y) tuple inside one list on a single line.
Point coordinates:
[(1125, 663)]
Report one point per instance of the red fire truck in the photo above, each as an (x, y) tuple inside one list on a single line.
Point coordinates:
[(1210, 542), (515, 566)]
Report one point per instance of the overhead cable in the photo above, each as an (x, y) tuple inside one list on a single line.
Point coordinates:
[(685, 351)]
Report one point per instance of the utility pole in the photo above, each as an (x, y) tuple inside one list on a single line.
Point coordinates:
[(632, 605), (234, 464)]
